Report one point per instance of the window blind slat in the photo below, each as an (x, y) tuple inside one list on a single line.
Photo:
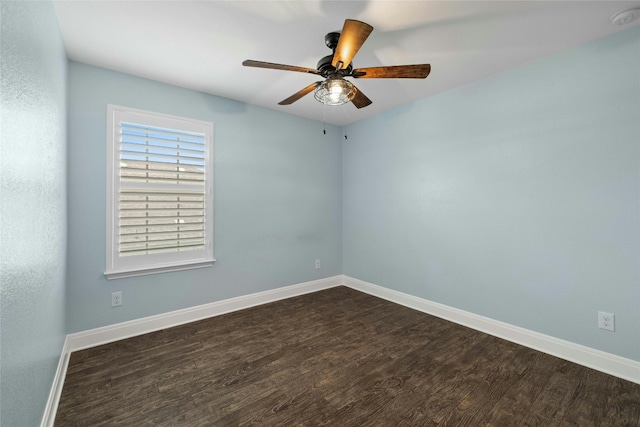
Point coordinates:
[(128, 146), (161, 244), (150, 141), (156, 179), (129, 222), (143, 223), (162, 204), (131, 213), (162, 174), (143, 155), (160, 166), (161, 236), (147, 235), (160, 195)]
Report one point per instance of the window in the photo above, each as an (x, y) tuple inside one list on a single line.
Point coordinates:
[(159, 193)]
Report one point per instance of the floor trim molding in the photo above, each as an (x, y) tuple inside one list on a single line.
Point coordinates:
[(599, 360), (132, 328), (56, 389)]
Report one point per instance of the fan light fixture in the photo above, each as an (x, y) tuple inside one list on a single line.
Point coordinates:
[(335, 91)]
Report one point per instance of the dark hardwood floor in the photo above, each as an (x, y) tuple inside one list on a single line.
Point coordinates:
[(339, 358)]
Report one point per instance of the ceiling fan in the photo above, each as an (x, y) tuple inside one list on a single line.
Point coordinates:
[(335, 90)]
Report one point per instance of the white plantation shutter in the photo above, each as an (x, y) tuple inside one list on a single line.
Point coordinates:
[(165, 220), (160, 195), (160, 222)]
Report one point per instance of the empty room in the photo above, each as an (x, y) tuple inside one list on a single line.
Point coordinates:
[(335, 213)]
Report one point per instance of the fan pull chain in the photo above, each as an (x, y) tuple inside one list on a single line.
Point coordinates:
[(347, 115), (324, 119)]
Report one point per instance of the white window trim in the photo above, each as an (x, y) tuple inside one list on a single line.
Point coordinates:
[(116, 268)]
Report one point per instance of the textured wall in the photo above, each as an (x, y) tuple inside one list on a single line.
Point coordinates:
[(516, 197), (32, 207), (277, 196)]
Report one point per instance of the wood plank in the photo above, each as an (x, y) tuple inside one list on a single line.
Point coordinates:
[(515, 404), (623, 405), (551, 404)]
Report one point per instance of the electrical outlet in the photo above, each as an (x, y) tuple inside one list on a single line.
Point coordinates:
[(606, 321), (317, 264), (116, 299)]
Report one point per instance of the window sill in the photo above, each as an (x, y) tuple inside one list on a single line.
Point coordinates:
[(113, 275)]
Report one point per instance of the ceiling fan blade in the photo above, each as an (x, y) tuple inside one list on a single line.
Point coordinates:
[(354, 33), (419, 71), (293, 98), (360, 100), (271, 65)]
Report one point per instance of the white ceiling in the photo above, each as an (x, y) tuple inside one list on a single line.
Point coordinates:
[(200, 45)]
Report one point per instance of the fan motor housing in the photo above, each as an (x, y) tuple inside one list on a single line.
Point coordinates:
[(324, 65), (325, 68)]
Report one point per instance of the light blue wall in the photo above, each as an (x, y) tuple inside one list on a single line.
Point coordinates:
[(278, 204), (32, 207), (516, 197)]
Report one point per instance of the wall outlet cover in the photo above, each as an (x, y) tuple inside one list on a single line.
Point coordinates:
[(606, 321), (116, 299)]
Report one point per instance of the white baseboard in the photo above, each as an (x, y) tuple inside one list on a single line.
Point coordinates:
[(599, 360), (132, 328), (56, 389)]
